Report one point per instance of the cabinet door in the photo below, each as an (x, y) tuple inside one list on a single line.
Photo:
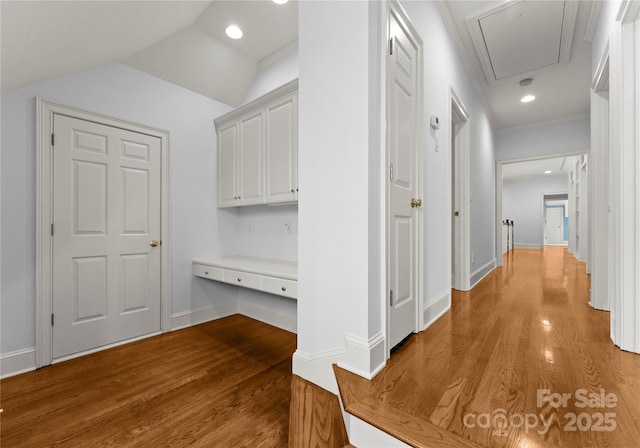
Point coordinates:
[(251, 154), (227, 165), (282, 149)]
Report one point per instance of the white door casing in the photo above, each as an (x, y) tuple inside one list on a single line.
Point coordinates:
[(599, 185), (96, 269), (460, 213), (402, 110)]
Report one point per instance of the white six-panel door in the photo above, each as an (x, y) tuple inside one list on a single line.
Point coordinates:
[(106, 216), (403, 187)]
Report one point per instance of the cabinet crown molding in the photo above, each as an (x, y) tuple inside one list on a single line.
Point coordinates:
[(291, 86)]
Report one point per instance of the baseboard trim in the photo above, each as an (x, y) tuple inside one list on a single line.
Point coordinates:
[(365, 357), (364, 434), (189, 318), (318, 367), (479, 274), (436, 308), (527, 246), (17, 362), (269, 316)]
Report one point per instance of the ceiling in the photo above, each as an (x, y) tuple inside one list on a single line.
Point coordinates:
[(503, 43), (535, 168), (180, 41), (183, 42)]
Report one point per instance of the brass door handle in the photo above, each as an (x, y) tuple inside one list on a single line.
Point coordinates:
[(416, 203), (153, 243)]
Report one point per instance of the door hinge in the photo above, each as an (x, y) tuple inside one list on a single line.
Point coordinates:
[(52, 230), (391, 46), (52, 319), (53, 139), (391, 298), (391, 171)]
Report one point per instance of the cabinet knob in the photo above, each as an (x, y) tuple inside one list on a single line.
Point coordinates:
[(206, 272), (292, 190), (239, 279), (284, 288)]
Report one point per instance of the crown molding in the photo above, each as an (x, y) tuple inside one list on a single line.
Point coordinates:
[(596, 6)]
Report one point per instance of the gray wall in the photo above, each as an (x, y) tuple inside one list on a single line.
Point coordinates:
[(522, 203), (566, 136), (198, 228)]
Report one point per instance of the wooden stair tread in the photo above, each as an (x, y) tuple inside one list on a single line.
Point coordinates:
[(315, 417), (396, 422)]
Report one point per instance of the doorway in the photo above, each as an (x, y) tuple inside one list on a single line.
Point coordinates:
[(460, 207), (103, 246), (555, 220)]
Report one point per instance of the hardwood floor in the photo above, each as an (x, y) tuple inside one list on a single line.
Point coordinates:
[(316, 418), (226, 383), (524, 333)]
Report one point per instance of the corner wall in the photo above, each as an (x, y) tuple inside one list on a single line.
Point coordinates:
[(196, 226)]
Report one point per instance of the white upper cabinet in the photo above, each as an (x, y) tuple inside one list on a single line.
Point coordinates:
[(258, 150), (251, 159), (282, 149), (227, 164)]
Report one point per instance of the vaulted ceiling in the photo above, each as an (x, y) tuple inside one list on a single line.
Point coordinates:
[(179, 41)]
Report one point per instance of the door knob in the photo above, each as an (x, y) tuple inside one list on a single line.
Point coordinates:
[(416, 203), (153, 243)]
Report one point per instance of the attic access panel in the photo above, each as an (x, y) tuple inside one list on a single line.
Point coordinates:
[(518, 37)]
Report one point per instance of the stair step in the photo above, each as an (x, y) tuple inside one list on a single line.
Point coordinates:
[(395, 422)]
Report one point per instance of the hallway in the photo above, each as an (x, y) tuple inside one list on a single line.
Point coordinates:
[(514, 364)]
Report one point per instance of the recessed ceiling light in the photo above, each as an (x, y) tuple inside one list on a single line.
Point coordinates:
[(233, 32), (547, 172), (527, 98), (280, 2)]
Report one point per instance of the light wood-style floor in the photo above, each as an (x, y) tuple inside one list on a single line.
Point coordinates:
[(524, 329), (225, 383)]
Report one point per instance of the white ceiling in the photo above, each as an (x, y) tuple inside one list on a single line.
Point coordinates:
[(535, 168), (180, 41), (183, 42), (527, 32)]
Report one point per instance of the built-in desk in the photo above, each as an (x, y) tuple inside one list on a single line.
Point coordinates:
[(272, 276)]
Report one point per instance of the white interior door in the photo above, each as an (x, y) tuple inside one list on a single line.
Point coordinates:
[(106, 215), (402, 109), (554, 226)]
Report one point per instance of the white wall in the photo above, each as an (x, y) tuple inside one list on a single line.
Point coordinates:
[(522, 203), (336, 213), (275, 75), (443, 68), (572, 135), (197, 229)]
